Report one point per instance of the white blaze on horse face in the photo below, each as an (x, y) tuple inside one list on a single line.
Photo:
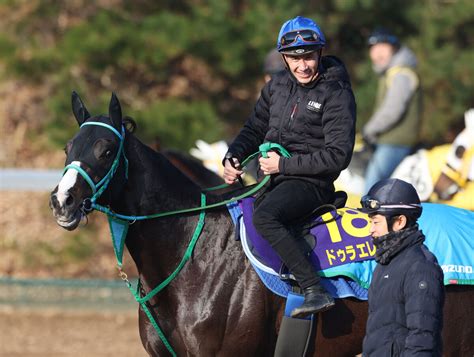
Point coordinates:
[(67, 182), (465, 164)]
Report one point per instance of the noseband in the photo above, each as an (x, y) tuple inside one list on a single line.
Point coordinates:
[(99, 188)]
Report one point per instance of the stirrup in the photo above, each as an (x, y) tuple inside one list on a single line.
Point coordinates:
[(285, 275)]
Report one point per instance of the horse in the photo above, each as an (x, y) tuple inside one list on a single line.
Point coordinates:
[(216, 305), (444, 173), (456, 177)]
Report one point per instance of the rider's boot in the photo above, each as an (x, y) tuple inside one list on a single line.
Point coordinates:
[(316, 299)]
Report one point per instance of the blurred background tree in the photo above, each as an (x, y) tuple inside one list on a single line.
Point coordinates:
[(192, 69)]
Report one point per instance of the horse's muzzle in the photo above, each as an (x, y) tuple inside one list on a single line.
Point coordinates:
[(67, 213)]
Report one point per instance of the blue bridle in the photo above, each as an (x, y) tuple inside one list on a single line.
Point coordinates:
[(99, 188)]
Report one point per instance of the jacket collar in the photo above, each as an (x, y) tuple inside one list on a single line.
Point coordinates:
[(391, 244)]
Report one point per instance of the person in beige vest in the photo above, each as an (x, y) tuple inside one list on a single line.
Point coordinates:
[(394, 127)]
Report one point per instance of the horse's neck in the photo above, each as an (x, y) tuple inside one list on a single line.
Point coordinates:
[(154, 185), (158, 245)]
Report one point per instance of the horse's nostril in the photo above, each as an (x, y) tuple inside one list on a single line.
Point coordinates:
[(53, 202), (69, 200)]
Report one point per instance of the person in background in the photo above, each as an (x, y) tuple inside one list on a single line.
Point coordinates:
[(310, 110), (406, 296), (273, 64), (394, 127)]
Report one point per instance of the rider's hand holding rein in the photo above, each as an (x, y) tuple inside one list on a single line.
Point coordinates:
[(232, 171), (271, 164)]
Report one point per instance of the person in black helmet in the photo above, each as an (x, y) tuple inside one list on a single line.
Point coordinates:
[(406, 295), (310, 110), (273, 64), (394, 127)]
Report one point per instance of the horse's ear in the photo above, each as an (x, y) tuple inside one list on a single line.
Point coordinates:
[(115, 112), (79, 109)]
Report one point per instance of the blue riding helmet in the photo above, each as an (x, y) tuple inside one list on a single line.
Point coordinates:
[(392, 197), (382, 35), (300, 36)]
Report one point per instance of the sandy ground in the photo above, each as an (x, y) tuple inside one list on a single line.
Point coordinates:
[(62, 333)]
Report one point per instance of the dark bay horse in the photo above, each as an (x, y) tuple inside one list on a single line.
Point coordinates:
[(216, 306)]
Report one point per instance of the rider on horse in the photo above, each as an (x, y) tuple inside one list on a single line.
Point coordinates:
[(310, 110)]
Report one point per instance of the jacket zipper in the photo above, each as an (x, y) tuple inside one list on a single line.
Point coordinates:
[(293, 92), (293, 113)]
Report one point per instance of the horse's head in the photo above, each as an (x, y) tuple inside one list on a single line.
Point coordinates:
[(92, 158), (459, 167)]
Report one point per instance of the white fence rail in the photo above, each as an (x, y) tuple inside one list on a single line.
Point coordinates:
[(28, 179)]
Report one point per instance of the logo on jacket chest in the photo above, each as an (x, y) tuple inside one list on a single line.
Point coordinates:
[(314, 106)]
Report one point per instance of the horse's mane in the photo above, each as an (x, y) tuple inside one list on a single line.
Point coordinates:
[(193, 168), (189, 167)]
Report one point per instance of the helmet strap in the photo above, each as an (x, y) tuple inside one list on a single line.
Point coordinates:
[(284, 60)]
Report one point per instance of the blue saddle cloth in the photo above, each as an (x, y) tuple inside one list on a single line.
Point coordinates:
[(448, 233)]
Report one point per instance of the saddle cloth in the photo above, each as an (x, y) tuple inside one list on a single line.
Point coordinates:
[(447, 229), (337, 286)]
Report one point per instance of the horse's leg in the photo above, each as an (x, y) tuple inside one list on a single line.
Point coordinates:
[(340, 330)]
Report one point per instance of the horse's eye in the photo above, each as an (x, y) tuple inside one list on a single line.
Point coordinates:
[(108, 154), (459, 152)]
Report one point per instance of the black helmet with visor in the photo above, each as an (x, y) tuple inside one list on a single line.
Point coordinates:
[(392, 197)]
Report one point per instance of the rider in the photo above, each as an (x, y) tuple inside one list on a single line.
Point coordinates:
[(310, 110), (406, 295)]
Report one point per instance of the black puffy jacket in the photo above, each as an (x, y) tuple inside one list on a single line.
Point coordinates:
[(406, 300), (315, 123)]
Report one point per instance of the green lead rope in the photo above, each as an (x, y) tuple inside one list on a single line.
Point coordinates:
[(187, 255)]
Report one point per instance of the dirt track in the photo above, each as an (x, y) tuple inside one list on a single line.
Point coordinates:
[(54, 333), (25, 229)]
